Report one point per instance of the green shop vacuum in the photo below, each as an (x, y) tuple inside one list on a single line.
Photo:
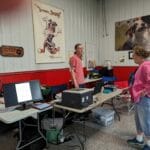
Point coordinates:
[(54, 135)]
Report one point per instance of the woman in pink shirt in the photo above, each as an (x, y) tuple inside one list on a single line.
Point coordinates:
[(76, 67), (140, 92)]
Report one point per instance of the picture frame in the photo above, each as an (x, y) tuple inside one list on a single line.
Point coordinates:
[(49, 38), (130, 55), (131, 32)]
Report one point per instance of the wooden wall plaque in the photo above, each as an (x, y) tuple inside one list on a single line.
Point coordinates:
[(11, 51)]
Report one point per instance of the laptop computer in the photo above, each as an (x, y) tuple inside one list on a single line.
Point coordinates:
[(98, 87)]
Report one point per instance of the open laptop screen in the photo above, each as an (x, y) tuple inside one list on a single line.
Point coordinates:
[(98, 87)]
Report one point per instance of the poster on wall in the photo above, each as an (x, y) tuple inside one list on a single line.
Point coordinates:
[(129, 33), (48, 22)]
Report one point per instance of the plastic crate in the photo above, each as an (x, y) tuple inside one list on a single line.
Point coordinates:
[(103, 116)]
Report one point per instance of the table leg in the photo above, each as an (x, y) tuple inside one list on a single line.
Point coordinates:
[(19, 144)]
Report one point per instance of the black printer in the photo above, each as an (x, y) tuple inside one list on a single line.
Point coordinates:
[(77, 97)]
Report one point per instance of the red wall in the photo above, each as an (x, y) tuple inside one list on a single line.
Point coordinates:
[(122, 73), (46, 77), (56, 76)]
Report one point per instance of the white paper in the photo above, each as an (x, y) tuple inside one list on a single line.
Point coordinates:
[(23, 92)]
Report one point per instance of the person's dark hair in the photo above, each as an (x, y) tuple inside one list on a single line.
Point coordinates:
[(140, 51), (77, 45)]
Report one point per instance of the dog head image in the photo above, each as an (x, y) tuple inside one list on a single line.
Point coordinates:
[(52, 26), (138, 33)]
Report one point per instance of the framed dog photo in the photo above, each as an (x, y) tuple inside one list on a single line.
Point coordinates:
[(48, 22), (135, 31), (130, 54)]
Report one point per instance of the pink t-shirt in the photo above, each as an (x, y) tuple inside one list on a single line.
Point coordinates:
[(76, 63), (141, 81)]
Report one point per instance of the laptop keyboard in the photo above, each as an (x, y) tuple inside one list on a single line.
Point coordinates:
[(41, 105)]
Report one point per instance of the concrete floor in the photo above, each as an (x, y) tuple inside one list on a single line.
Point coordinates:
[(97, 137)]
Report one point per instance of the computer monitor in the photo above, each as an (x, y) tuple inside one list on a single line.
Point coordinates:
[(22, 93)]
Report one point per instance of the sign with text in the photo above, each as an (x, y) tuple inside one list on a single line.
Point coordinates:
[(11, 51)]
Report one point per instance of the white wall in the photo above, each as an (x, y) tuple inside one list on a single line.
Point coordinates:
[(83, 23), (80, 23), (118, 10)]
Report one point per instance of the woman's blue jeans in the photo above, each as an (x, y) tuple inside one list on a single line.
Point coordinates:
[(142, 116)]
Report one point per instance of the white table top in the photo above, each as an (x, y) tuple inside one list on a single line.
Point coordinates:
[(87, 80), (97, 100), (16, 115)]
